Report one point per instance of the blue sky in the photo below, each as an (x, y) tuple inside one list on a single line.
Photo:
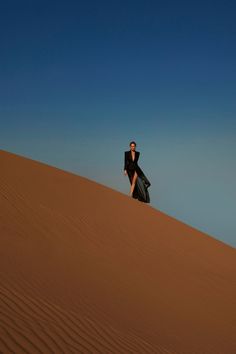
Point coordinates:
[(80, 80)]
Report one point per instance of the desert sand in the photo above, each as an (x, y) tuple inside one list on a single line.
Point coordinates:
[(87, 269)]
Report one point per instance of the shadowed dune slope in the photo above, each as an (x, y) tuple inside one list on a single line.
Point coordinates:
[(87, 269)]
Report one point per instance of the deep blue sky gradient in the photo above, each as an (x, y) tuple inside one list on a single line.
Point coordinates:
[(80, 79)]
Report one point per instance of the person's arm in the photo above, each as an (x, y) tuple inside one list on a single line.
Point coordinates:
[(138, 156), (125, 163)]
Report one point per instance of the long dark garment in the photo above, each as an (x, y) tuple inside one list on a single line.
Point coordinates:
[(142, 183)]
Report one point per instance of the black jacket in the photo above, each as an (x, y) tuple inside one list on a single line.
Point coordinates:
[(128, 162)]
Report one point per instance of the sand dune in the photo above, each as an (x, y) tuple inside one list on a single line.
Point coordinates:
[(87, 269)]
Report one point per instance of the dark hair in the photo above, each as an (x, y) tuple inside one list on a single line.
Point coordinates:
[(132, 142)]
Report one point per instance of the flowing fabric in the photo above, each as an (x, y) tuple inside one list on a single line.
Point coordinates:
[(141, 186)]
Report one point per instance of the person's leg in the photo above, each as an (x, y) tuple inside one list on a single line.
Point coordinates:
[(133, 183)]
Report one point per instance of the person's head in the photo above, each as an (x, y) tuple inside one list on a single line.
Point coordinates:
[(132, 145)]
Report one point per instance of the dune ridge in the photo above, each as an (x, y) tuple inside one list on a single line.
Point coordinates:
[(87, 269)]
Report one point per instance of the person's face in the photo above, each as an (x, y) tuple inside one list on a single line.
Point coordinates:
[(132, 147)]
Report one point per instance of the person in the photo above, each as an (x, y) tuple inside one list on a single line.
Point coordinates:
[(139, 183)]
